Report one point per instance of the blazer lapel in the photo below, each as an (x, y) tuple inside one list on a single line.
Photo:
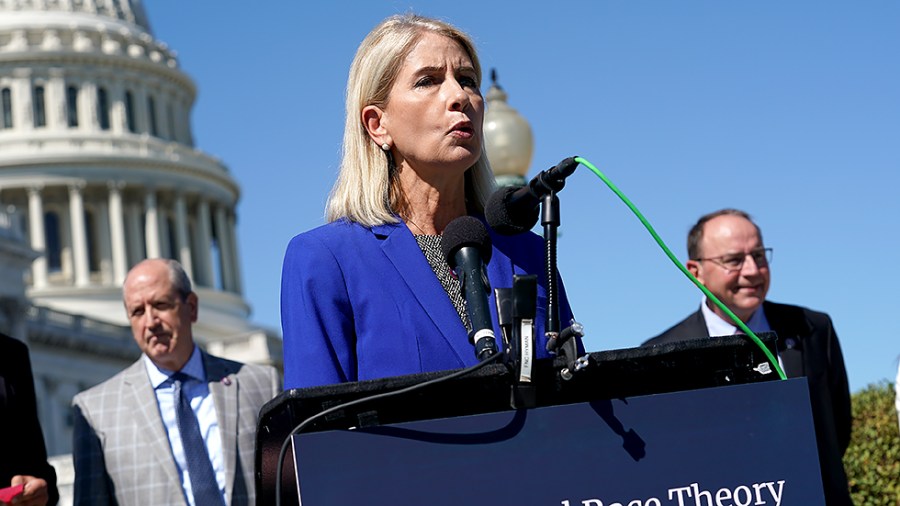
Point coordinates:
[(224, 390), (791, 330), (403, 251), (500, 271), (141, 398), (696, 325)]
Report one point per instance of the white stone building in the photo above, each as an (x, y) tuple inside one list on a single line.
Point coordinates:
[(98, 171)]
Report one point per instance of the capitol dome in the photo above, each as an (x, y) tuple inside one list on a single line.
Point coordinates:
[(98, 168)]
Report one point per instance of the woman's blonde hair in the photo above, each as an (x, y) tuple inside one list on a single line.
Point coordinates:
[(367, 189)]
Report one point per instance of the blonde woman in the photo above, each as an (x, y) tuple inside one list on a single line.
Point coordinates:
[(369, 295)]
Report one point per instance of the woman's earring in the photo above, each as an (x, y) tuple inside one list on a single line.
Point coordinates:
[(386, 147)]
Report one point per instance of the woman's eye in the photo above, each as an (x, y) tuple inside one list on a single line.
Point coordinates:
[(425, 81), (468, 81)]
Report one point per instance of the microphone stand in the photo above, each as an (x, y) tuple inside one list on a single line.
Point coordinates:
[(559, 342), (550, 222)]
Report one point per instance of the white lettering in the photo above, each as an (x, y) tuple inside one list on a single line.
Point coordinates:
[(742, 495), (756, 488), (652, 501), (680, 491), (721, 495), (697, 493), (737, 492), (776, 496)]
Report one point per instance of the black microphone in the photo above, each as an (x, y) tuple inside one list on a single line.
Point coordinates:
[(467, 247), (513, 210)]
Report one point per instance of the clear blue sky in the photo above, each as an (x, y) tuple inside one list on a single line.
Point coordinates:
[(788, 110)]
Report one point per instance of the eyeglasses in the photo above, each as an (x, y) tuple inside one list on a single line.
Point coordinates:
[(735, 261)]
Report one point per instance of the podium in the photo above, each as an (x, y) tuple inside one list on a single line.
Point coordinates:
[(675, 424)]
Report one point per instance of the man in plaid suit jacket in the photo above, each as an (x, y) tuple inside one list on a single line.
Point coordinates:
[(127, 449)]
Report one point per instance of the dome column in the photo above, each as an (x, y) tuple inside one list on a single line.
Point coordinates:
[(103, 243), (38, 237), (118, 117), (204, 258), (141, 111), (79, 235), (182, 247), (133, 234), (151, 220), (56, 100), (21, 89), (81, 106), (117, 232), (225, 257), (166, 248), (89, 104), (186, 136), (235, 256)]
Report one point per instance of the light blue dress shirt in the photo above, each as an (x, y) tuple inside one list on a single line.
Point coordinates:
[(202, 403), (717, 326)]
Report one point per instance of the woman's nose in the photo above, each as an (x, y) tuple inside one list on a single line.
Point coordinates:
[(459, 99)]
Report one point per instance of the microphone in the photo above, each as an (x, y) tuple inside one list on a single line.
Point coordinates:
[(466, 245), (513, 210)]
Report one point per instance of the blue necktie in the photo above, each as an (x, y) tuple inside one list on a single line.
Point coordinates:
[(200, 470)]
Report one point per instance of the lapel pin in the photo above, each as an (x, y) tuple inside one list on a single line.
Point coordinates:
[(226, 381)]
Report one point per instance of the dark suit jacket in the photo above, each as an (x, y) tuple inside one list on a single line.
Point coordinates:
[(22, 449), (362, 302), (808, 346), (122, 454)]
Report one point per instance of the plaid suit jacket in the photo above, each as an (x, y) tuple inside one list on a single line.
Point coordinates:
[(122, 454)]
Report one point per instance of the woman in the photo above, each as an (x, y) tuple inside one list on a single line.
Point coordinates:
[(368, 295)]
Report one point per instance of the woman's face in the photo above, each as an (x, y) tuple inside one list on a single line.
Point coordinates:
[(433, 117)]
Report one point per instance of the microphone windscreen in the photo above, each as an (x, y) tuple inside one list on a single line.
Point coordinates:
[(503, 219), (465, 231)]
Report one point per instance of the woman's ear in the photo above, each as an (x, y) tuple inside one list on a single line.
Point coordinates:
[(372, 118)]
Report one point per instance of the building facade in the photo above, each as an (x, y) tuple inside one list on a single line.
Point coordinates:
[(98, 170)]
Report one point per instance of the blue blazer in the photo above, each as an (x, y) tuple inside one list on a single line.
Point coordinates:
[(360, 303)]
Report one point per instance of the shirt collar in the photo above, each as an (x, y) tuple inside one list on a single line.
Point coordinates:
[(193, 368), (717, 326)]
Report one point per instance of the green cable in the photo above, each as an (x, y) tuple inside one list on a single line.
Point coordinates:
[(683, 269)]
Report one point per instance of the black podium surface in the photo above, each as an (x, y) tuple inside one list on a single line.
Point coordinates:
[(614, 374), (726, 446)]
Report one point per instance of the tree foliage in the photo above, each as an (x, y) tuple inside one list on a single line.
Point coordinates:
[(873, 459)]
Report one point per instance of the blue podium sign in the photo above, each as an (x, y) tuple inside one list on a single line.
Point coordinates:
[(742, 445)]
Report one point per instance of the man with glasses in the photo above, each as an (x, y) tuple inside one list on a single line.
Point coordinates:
[(727, 255)]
